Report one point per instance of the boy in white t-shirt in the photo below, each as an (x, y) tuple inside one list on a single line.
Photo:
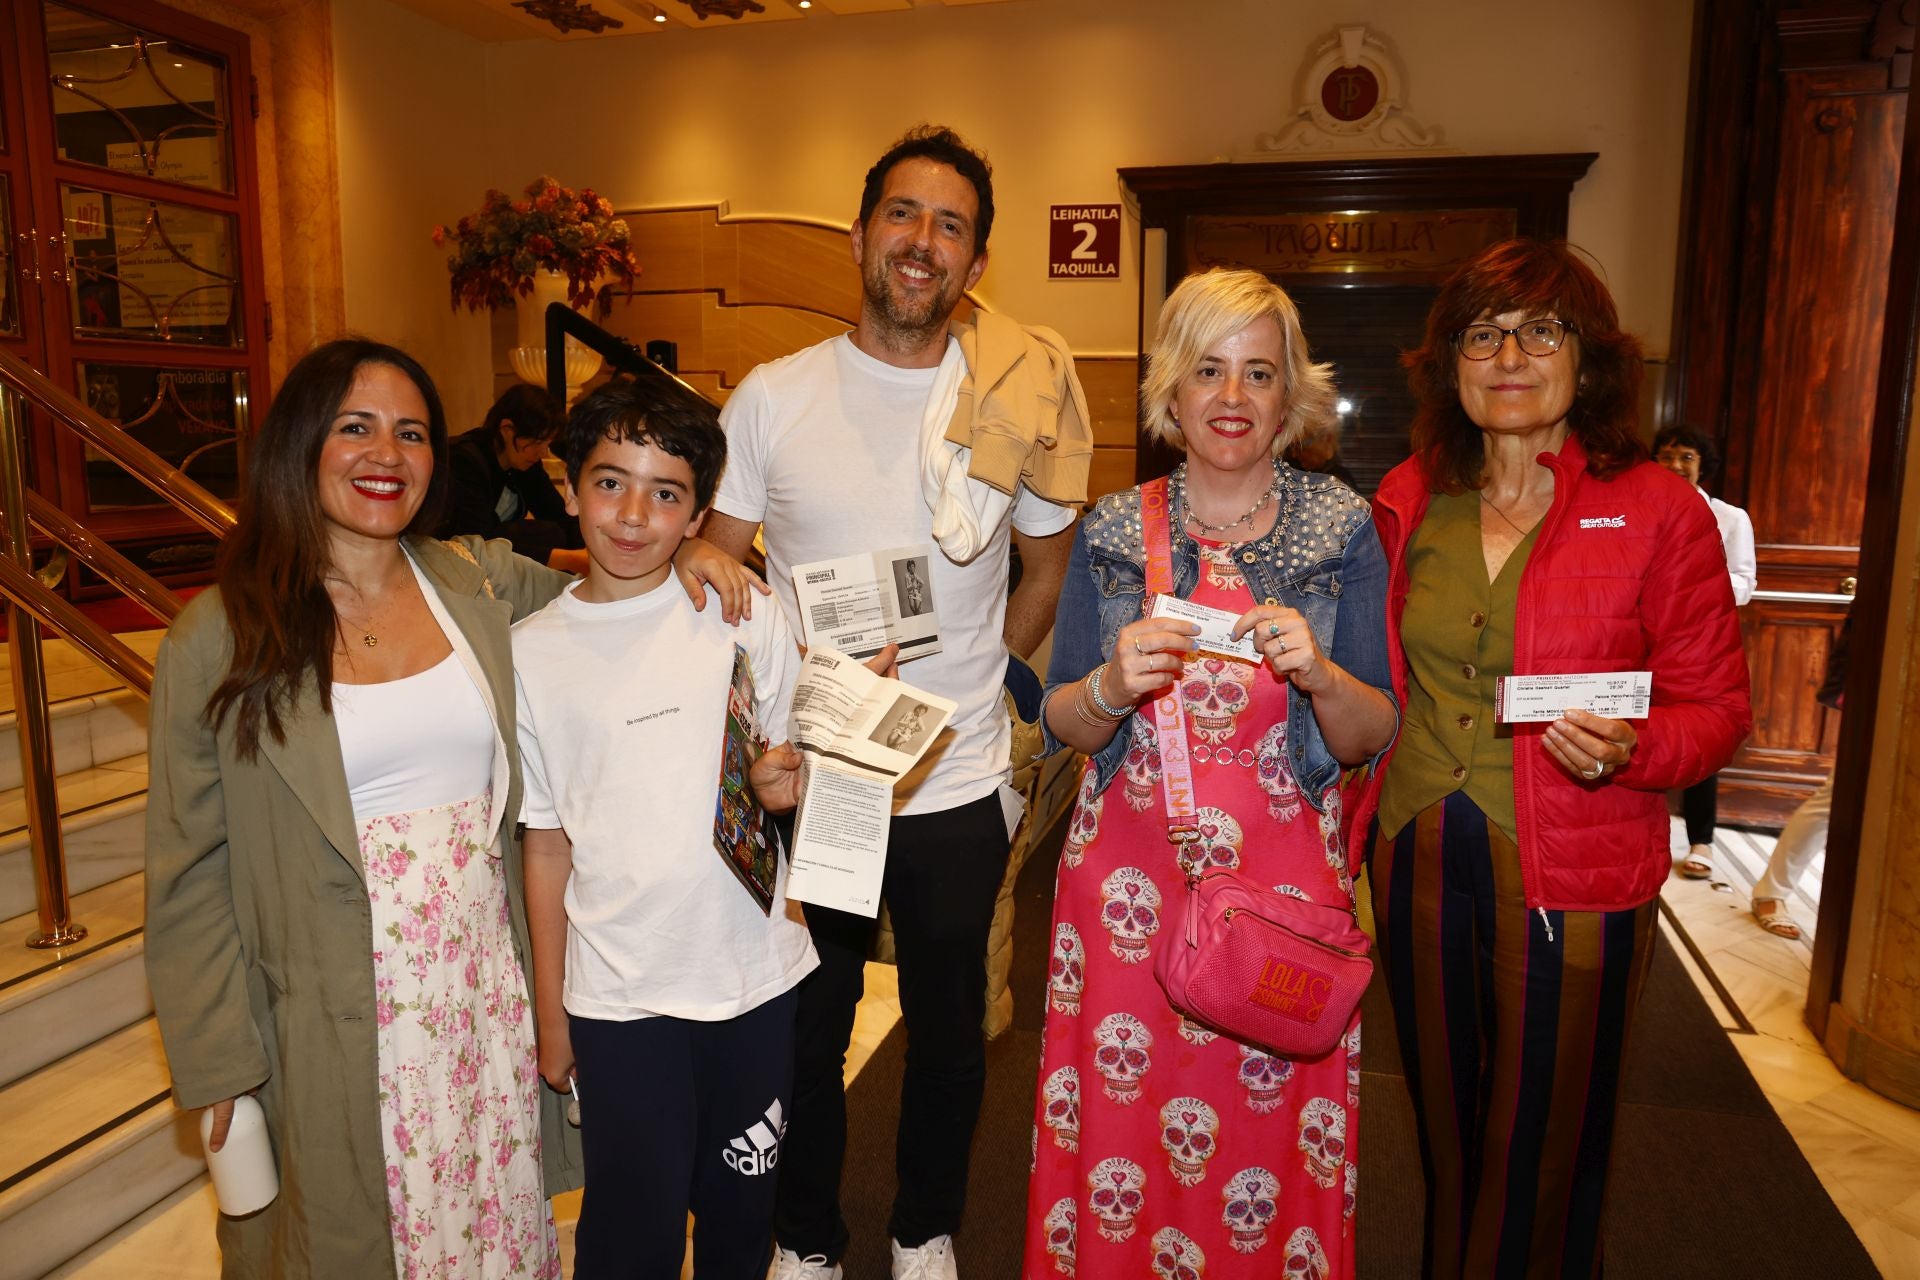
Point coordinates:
[(663, 988)]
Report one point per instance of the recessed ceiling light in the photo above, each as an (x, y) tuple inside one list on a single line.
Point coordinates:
[(803, 4), (659, 16)]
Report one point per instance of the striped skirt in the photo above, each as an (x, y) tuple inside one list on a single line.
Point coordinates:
[(1512, 1026)]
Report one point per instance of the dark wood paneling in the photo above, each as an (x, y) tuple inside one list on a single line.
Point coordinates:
[(1885, 482), (1793, 156), (1832, 235)]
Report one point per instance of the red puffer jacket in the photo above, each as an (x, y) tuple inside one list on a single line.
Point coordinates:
[(1626, 574)]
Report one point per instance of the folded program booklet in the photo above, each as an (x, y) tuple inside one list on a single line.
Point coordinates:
[(1617, 695), (858, 734), (747, 842)]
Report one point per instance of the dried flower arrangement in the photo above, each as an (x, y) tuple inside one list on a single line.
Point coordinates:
[(497, 250)]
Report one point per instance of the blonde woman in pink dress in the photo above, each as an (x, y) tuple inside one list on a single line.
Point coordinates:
[(1161, 1147)]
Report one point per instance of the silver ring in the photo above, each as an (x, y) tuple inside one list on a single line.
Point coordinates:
[(1136, 646), (1283, 646), (1594, 773), (1273, 628)]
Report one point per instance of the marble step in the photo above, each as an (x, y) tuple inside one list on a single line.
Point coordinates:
[(88, 730), (103, 823), (55, 1002), (71, 673), (86, 1144)]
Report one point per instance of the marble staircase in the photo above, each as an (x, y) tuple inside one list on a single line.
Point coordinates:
[(89, 1136)]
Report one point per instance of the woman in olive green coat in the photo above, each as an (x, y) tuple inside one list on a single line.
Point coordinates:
[(272, 946)]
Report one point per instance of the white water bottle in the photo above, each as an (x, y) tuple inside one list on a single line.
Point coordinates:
[(244, 1177)]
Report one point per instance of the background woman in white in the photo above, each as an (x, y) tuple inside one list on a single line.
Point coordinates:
[(1689, 454)]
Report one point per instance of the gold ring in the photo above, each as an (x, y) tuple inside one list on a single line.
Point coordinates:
[(1136, 646)]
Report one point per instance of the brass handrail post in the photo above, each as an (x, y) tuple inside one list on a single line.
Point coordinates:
[(57, 928)]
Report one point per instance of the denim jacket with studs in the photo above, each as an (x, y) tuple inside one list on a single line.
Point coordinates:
[(1322, 557)]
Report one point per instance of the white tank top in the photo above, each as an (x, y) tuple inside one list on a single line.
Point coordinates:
[(414, 743)]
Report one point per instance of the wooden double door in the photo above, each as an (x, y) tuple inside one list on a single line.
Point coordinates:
[(130, 255)]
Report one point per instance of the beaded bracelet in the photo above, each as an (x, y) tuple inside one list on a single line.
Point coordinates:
[(1100, 704)]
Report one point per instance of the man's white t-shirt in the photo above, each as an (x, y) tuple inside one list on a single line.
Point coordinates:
[(823, 451), (622, 708)]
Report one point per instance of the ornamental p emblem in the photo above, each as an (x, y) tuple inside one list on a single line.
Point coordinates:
[(1350, 93)]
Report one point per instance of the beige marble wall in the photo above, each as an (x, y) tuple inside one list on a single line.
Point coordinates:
[(291, 44)]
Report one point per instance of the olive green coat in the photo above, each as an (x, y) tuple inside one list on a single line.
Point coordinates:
[(259, 936)]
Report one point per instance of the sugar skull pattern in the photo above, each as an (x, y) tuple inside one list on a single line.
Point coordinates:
[(1263, 1076), (1249, 1196), (1084, 825), (1222, 570), (1305, 1258), (1062, 1227), (1140, 770), (1061, 1099), (1216, 843), (1066, 970), (1323, 1139), (1116, 1192), (1131, 914), (1123, 1052), (1215, 691), (1276, 774), (1175, 1257), (1189, 1133), (1195, 1034)]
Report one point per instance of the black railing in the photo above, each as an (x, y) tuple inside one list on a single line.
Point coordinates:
[(563, 323)]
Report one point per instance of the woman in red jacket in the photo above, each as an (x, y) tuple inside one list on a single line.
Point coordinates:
[(1513, 865)]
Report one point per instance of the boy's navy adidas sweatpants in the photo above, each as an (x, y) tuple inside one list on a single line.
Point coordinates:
[(679, 1116)]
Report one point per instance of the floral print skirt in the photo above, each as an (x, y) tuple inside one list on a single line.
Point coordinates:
[(459, 1089)]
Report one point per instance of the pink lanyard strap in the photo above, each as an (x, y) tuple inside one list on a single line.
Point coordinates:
[(1169, 709)]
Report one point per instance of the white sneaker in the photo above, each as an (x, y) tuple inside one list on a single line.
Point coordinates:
[(930, 1261), (788, 1265)]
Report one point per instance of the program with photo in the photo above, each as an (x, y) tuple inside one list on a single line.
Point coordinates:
[(904, 726), (912, 586), (860, 604), (858, 734)]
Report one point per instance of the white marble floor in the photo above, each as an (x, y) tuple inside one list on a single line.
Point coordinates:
[(1865, 1149)]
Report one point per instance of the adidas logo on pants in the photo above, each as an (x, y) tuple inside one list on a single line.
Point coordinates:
[(758, 1151)]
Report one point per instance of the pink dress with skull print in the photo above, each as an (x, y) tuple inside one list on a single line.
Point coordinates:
[(1160, 1148)]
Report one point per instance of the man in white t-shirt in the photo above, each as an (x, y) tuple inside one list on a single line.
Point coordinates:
[(824, 456)]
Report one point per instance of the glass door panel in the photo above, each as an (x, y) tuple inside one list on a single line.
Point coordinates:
[(151, 271), (192, 417), (137, 102)]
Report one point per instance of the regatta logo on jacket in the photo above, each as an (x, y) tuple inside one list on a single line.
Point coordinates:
[(1604, 522)]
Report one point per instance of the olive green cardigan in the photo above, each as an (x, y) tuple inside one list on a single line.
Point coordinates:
[(259, 936)]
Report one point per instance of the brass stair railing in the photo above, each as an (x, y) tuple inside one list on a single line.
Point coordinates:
[(31, 605)]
